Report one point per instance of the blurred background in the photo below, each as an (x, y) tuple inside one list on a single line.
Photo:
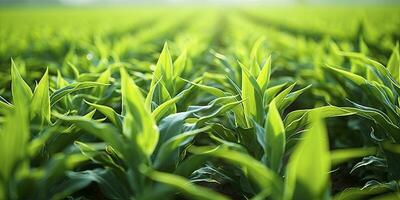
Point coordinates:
[(188, 2)]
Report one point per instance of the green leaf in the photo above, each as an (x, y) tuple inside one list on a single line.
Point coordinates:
[(281, 100), (291, 97), (55, 170), (394, 63), (73, 87), (249, 97), (61, 82), (40, 141), (209, 89), (264, 194), (264, 76), (74, 69), (164, 69), (275, 138), (384, 74), (166, 107), (271, 93), (351, 76), (158, 94), (104, 78), (361, 193), (309, 165), (180, 63), (191, 190), (165, 155), (339, 156), (21, 92), (103, 131), (111, 185), (5, 107), (254, 66), (222, 110), (150, 94), (113, 116), (40, 105), (14, 136), (262, 176), (390, 196), (252, 97), (299, 118), (99, 155), (363, 46), (138, 124)]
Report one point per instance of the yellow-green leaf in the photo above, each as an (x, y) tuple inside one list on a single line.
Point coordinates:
[(180, 63), (263, 77), (113, 116), (394, 63), (164, 69), (275, 138), (138, 124), (103, 78), (40, 105), (308, 168), (21, 92)]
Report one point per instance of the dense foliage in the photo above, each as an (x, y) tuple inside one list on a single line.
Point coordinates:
[(151, 103)]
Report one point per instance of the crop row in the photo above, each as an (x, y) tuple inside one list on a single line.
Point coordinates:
[(199, 103)]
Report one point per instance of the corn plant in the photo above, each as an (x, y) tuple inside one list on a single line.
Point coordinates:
[(159, 103)]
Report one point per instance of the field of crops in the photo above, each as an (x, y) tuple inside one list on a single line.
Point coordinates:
[(200, 103)]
